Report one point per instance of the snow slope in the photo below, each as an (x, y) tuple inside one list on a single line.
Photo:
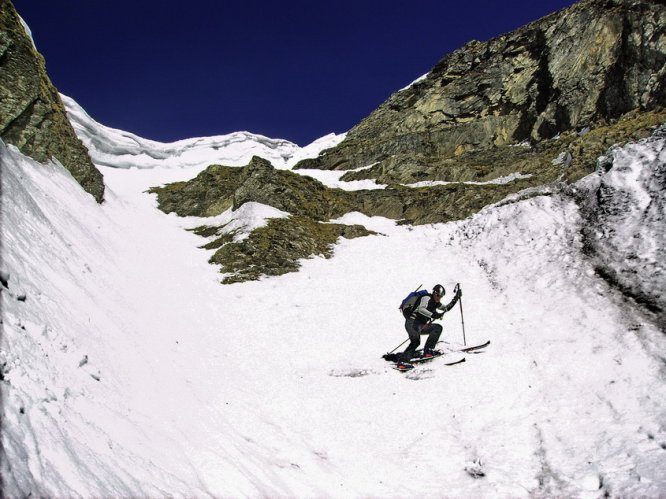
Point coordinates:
[(128, 370), (120, 149)]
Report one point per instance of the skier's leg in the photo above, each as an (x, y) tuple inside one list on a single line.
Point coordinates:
[(433, 331), (414, 341)]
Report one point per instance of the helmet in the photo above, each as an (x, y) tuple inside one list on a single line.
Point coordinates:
[(439, 289)]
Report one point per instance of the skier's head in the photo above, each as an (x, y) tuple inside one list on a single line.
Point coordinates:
[(438, 291)]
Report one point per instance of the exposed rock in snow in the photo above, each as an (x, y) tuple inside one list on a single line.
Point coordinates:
[(32, 116), (277, 388), (4, 279)]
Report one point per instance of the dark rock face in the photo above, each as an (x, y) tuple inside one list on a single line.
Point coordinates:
[(32, 116), (219, 188), (586, 65)]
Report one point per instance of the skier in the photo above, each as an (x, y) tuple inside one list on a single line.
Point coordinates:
[(419, 323)]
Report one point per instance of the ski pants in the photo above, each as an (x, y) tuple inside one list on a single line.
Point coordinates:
[(415, 330)]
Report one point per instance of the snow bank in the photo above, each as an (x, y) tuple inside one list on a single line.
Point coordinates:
[(331, 178), (120, 149), (128, 370), (625, 220), (498, 181), (112, 348)]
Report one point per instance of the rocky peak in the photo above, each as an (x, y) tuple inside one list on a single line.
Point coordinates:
[(32, 115), (588, 64)]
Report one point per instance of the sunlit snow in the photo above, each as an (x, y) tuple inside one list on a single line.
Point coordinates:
[(507, 179), (129, 370)]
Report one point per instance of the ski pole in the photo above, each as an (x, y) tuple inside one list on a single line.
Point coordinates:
[(404, 342), (462, 317), (399, 345)]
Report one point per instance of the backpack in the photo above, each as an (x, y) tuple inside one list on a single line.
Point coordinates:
[(411, 300)]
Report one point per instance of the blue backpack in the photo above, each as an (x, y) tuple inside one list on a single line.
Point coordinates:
[(411, 300)]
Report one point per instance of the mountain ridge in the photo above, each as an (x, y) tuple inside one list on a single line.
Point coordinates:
[(561, 73), (537, 106)]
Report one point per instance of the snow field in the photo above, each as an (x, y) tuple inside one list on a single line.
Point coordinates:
[(130, 371)]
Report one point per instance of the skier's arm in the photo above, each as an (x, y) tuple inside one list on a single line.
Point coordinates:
[(452, 303)]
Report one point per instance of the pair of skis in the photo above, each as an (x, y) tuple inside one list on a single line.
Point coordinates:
[(406, 367)]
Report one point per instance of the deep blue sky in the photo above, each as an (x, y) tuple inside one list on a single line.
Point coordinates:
[(297, 70)]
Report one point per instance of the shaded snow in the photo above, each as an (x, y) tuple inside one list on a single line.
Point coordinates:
[(28, 32), (629, 202), (128, 370)]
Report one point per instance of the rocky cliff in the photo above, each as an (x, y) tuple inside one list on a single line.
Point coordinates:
[(518, 115), (582, 67), (32, 116)]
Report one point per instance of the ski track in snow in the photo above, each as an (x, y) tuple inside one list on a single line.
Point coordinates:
[(128, 370)]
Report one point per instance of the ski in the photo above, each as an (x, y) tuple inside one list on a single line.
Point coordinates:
[(448, 358), (474, 347), (419, 359), (414, 363), (414, 367), (454, 362)]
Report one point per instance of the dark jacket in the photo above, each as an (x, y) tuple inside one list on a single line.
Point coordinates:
[(427, 306)]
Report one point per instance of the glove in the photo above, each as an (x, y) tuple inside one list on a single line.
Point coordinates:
[(437, 315)]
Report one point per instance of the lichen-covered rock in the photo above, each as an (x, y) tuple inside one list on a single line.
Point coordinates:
[(534, 158), (290, 192), (276, 248), (208, 194), (219, 188), (32, 115), (586, 65)]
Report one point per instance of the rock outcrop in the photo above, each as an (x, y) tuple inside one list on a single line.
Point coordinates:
[(581, 67), (275, 248), (221, 187), (32, 115), (517, 115)]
